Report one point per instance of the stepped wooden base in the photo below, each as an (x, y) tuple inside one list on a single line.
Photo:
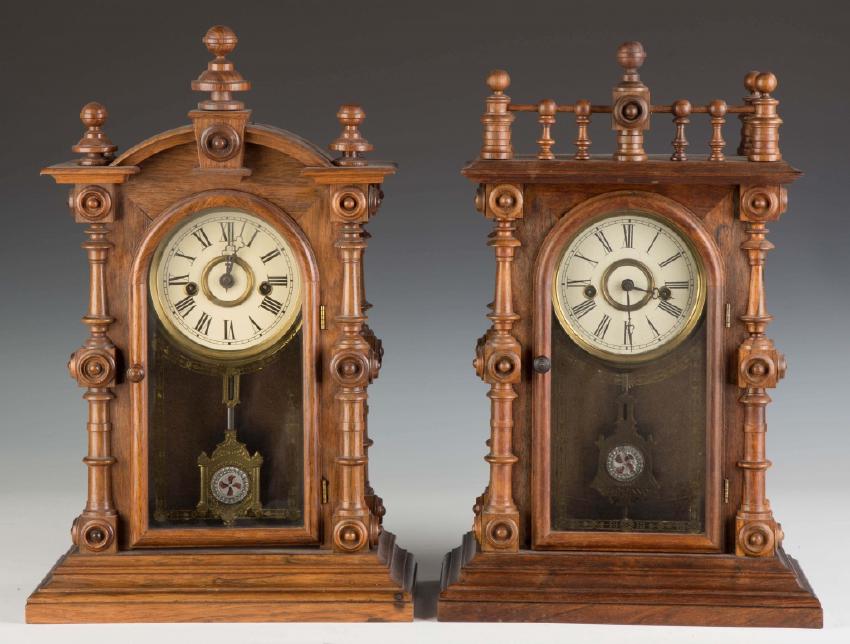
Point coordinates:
[(228, 586), (608, 588)]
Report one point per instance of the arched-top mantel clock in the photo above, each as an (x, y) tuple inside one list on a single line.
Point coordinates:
[(226, 373), (629, 365)]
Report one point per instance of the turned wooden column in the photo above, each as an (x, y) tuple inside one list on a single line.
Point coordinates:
[(93, 365), (356, 355), (760, 367), (497, 119), (498, 363)]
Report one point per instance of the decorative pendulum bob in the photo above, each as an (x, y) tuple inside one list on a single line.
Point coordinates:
[(226, 372), (624, 473), (230, 477), (632, 282)]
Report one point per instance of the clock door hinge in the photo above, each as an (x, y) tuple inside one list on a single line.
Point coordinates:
[(728, 318), (324, 490), (725, 490), (322, 324)]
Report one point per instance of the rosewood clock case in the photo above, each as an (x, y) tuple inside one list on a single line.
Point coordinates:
[(226, 485), (628, 487)]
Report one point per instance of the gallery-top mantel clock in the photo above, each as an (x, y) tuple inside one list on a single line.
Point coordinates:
[(226, 373), (628, 365)]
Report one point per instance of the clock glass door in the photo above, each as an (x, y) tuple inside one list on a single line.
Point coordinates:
[(628, 389), (226, 374)]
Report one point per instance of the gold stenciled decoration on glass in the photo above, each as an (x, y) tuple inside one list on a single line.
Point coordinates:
[(629, 287)]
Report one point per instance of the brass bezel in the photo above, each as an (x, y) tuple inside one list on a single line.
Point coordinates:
[(235, 358), (626, 359)]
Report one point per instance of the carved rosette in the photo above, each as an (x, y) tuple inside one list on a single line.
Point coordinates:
[(355, 362), (760, 366), (498, 363)]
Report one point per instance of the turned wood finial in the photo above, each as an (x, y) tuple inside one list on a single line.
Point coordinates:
[(630, 56), (220, 78), (764, 123), (95, 145), (546, 109), (745, 144), (497, 119), (350, 142), (582, 143), (717, 109), (681, 112)]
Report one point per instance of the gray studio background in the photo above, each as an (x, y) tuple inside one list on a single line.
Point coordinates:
[(419, 72)]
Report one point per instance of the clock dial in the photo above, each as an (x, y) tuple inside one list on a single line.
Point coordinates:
[(226, 284), (628, 287)]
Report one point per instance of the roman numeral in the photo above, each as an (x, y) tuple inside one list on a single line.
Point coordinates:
[(628, 327), (227, 231), (652, 243), (178, 280), (628, 235), (603, 240), (602, 329), (671, 285), (577, 283), (270, 256), (580, 310), (580, 256), (670, 259), (189, 257), (228, 330), (278, 280), (201, 236), (186, 305), (672, 309), (652, 326), (203, 325), (254, 322), (271, 305)]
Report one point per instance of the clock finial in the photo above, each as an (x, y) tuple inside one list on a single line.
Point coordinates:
[(220, 77), (630, 56), (95, 145), (350, 142)]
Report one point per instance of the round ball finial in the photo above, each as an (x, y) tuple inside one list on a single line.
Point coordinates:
[(547, 107), (682, 108), (93, 115), (583, 107), (766, 82), (630, 55), (750, 81), (220, 40), (350, 115), (498, 80), (717, 108)]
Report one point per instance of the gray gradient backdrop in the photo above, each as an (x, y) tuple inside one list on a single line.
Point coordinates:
[(418, 70)]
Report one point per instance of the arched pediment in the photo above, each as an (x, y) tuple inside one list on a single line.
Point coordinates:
[(271, 137)]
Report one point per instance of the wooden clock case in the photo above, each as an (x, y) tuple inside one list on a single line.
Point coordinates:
[(338, 564), (514, 566)]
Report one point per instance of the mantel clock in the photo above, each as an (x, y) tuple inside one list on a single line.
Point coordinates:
[(629, 365), (226, 375)]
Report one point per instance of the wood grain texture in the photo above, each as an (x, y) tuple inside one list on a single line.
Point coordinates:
[(218, 586), (609, 588)]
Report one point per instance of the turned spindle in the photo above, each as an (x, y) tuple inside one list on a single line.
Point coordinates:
[(546, 109), (350, 143), (764, 122), (717, 110), (681, 112), (497, 119), (95, 145), (582, 121), (745, 144)]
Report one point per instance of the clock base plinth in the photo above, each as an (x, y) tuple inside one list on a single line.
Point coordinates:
[(262, 585), (618, 588)]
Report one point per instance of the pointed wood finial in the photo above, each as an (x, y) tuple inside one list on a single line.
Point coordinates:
[(220, 78), (350, 142), (95, 145)]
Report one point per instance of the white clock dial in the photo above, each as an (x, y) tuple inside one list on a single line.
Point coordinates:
[(628, 287), (226, 284)]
